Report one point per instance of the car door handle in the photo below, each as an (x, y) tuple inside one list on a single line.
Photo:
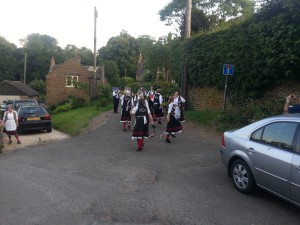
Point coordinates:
[(251, 150), (298, 167)]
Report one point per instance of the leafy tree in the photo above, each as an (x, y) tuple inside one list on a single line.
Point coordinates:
[(39, 49), (38, 85), (123, 50), (199, 22), (86, 55), (216, 11), (126, 82), (8, 55), (111, 72)]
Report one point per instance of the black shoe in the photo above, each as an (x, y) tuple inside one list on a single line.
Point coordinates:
[(19, 142), (139, 150), (159, 122), (173, 135), (9, 142), (124, 129), (168, 140)]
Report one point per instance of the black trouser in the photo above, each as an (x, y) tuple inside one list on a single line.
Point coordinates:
[(151, 106), (116, 104)]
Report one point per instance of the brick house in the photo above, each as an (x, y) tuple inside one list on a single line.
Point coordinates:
[(16, 90), (70, 79)]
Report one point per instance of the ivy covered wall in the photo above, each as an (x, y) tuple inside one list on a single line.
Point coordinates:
[(264, 49)]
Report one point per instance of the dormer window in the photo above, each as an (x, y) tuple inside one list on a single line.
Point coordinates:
[(71, 81)]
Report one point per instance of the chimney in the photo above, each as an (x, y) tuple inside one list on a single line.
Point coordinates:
[(77, 59), (52, 63)]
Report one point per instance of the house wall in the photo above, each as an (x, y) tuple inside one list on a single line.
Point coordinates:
[(56, 90), (12, 97)]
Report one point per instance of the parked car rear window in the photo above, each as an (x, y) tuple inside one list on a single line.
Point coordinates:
[(280, 134), (32, 110)]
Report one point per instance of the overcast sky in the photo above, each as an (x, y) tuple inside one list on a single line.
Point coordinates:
[(72, 21)]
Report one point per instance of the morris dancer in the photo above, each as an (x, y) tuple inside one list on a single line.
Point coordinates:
[(150, 96), (157, 106), (141, 127), (126, 107), (116, 97), (10, 120), (179, 101), (173, 125)]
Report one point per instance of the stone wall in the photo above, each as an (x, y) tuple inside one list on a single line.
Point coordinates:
[(206, 98), (213, 99)]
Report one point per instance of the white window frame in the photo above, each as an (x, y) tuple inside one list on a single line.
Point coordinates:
[(73, 79)]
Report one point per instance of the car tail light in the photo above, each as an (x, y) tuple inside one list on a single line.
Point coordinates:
[(48, 117), (223, 141)]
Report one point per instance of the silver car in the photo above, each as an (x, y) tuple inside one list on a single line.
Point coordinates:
[(265, 154)]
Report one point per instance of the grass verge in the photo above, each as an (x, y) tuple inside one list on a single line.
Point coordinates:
[(73, 121), (219, 121)]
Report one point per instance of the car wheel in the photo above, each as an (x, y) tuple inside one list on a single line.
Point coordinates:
[(242, 177), (49, 130)]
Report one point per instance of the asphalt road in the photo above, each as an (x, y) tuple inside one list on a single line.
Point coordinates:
[(99, 178)]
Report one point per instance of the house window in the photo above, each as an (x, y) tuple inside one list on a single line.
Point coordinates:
[(71, 81)]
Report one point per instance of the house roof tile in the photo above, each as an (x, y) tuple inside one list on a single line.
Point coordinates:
[(21, 87)]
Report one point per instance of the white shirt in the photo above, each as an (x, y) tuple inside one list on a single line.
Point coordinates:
[(177, 109), (10, 124), (160, 99), (137, 106), (116, 94), (176, 99), (151, 94)]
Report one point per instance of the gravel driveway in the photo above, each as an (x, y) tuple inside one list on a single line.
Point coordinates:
[(39, 138)]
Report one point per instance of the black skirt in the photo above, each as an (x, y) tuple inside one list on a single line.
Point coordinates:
[(125, 116), (158, 111), (140, 129), (173, 126)]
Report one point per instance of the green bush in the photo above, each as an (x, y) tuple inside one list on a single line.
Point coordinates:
[(76, 102), (62, 108), (103, 102), (104, 96)]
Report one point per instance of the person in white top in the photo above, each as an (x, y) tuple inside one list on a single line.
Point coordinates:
[(173, 124), (157, 106), (142, 119), (116, 98), (126, 104), (10, 120), (150, 96), (179, 101)]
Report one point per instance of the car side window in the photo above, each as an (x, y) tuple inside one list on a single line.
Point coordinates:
[(280, 135), (256, 135), (298, 143)]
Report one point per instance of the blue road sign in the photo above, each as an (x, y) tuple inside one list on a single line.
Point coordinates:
[(228, 69)]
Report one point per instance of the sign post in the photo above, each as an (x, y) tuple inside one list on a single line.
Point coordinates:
[(227, 70)]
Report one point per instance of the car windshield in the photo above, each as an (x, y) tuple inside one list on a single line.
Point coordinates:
[(32, 110), (19, 104)]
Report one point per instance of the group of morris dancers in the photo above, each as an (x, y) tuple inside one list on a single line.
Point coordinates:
[(149, 111)]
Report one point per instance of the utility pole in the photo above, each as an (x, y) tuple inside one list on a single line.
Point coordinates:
[(95, 54), (25, 65), (184, 80)]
